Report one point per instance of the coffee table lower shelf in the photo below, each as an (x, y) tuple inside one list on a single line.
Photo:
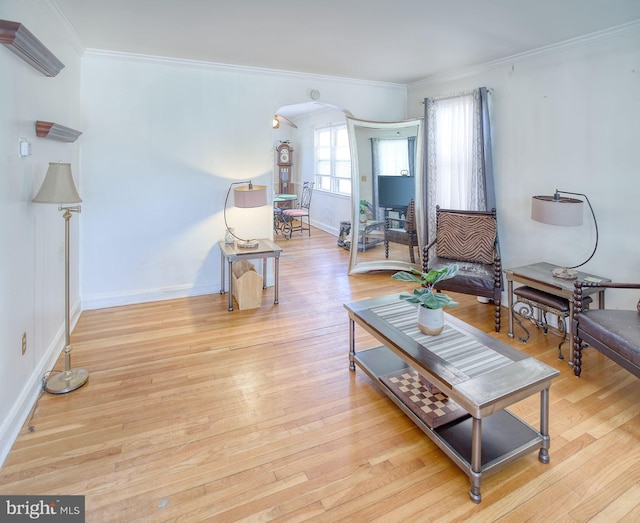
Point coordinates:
[(505, 437)]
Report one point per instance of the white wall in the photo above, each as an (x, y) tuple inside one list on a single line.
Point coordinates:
[(164, 139), (32, 236), (566, 119)]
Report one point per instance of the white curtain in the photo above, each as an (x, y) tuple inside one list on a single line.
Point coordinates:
[(459, 171)]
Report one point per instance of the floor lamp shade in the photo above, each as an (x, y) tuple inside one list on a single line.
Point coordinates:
[(554, 210), (58, 186)]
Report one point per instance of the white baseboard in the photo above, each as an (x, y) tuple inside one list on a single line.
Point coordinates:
[(14, 422)]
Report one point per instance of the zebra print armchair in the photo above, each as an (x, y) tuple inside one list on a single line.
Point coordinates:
[(470, 239)]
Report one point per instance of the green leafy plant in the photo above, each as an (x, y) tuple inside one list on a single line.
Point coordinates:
[(426, 296), (364, 207)]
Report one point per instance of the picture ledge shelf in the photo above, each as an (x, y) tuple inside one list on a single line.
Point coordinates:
[(22, 42), (56, 131)]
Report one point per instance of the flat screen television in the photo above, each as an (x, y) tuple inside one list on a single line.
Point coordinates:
[(395, 191)]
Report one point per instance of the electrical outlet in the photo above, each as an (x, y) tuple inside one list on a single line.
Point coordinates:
[(24, 343)]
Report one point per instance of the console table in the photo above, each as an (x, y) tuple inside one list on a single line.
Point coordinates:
[(230, 252), (479, 374)]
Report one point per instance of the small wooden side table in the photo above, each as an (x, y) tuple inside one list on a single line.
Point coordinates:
[(539, 276), (230, 252)]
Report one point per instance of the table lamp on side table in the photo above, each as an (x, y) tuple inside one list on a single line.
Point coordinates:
[(245, 197), (556, 210)]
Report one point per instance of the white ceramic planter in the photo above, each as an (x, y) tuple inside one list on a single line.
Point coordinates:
[(430, 321)]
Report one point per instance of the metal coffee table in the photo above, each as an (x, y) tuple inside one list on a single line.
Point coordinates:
[(476, 371)]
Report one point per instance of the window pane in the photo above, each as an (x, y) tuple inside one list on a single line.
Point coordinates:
[(323, 182), (343, 169), (323, 138), (342, 137), (323, 153), (344, 186), (342, 153), (323, 167), (333, 159)]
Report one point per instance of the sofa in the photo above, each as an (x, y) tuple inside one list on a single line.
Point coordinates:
[(615, 333)]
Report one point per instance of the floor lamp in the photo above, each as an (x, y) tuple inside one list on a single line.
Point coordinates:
[(58, 187), (558, 210)]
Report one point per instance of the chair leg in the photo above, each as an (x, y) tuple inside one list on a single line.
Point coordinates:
[(577, 355), (287, 228), (497, 315)]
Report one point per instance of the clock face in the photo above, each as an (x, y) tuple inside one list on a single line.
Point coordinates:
[(284, 156)]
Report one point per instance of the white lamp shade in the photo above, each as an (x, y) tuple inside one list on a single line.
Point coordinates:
[(58, 186), (557, 211), (250, 196)]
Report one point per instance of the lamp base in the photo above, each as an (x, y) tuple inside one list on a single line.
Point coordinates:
[(67, 381), (564, 273), (247, 244)]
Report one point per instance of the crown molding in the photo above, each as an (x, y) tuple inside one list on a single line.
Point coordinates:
[(574, 43), (215, 66), (74, 38)]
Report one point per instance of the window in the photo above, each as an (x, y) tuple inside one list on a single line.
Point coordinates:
[(393, 156), (333, 159), (455, 137)]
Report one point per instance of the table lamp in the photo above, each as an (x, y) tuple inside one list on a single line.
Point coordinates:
[(247, 196), (558, 210), (58, 187)]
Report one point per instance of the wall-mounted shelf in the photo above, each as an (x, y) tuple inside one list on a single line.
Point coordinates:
[(56, 131), (22, 42)]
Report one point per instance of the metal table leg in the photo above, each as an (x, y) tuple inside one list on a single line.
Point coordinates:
[(543, 454), (476, 460), (222, 262), (277, 275), (230, 285), (352, 345), (510, 299)]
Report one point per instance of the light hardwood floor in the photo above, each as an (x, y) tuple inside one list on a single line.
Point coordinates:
[(194, 413)]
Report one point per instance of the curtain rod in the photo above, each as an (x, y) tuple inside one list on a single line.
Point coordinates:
[(455, 95)]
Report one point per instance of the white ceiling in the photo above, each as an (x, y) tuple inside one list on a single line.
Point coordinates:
[(397, 41)]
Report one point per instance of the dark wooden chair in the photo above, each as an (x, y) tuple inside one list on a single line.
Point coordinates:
[(470, 239), (615, 333), (402, 231)]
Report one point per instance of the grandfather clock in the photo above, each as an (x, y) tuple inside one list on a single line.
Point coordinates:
[(284, 160)]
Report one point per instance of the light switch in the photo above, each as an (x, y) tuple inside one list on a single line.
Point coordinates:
[(25, 147)]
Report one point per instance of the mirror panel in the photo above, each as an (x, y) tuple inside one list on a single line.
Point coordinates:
[(386, 172)]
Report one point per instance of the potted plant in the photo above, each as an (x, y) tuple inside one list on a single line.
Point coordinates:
[(364, 210), (430, 302)]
